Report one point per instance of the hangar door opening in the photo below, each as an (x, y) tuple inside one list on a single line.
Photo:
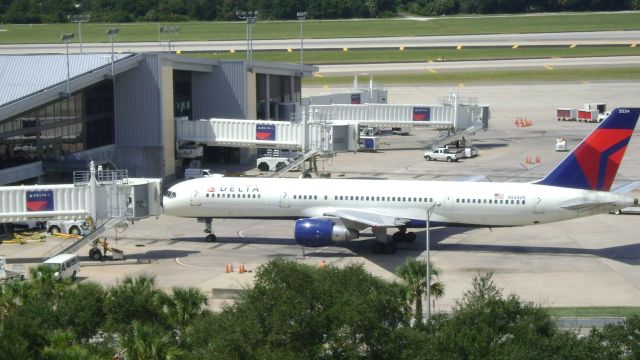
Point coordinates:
[(182, 94)]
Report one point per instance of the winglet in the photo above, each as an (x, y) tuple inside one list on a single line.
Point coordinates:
[(593, 164)]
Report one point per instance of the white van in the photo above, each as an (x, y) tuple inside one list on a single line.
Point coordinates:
[(66, 266), (193, 173)]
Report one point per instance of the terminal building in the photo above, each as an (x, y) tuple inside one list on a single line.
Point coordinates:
[(59, 113)]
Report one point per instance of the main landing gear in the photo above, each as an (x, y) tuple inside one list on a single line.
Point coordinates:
[(208, 228), (383, 246), (403, 236)]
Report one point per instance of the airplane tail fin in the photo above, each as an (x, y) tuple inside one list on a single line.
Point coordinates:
[(593, 164)]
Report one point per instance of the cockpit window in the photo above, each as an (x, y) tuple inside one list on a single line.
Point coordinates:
[(170, 194)]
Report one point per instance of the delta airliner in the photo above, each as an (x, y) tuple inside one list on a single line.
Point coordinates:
[(328, 210)]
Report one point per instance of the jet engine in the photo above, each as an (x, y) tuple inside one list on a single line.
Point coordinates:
[(318, 232)]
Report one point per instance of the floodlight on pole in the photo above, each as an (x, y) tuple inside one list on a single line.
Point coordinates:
[(302, 15), (250, 17), (66, 38), (428, 278), (112, 33), (79, 19), (169, 31)]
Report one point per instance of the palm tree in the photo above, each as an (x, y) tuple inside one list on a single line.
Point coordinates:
[(184, 305), (413, 273), (146, 342)]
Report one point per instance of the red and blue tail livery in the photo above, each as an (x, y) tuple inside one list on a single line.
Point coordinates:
[(593, 164)]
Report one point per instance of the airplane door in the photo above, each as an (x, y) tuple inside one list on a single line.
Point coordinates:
[(195, 198), (284, 200), (447, 202), (538, 205)]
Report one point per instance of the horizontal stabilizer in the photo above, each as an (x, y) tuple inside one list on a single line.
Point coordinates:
[(625, 188)]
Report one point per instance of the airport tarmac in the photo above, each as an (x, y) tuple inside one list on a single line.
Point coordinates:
[(593, 261)]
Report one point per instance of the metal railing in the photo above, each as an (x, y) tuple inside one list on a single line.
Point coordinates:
[(81, 178)]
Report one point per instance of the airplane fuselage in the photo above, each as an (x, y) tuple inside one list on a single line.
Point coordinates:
[(453, 203)]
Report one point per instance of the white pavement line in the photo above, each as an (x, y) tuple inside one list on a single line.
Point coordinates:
[(185, 265)]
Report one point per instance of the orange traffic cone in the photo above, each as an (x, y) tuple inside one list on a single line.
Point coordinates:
[(538, 159), (229, 268), (241, 269)]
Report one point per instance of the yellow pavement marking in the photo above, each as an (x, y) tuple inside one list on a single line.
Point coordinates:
[(433, 71), (573, 45), (459, 47), (515, 46), (548, 67)]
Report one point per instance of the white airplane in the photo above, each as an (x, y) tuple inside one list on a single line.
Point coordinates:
[(327, 210)]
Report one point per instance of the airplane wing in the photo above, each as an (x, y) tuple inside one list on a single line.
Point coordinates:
[(362, 219)]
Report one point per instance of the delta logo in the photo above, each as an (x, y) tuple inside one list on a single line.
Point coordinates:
[(265, 132), (235, 189)]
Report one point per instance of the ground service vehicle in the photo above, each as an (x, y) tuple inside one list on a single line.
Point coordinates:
[(566, 114), (588, 115), (66, 266), (75, 227), (627, 210), (441, 154)]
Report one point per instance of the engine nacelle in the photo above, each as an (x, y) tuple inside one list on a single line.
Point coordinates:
[(316, 232)]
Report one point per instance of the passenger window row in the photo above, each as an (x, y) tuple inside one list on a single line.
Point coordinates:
[(490, 201), (235, 196), (383, 198)]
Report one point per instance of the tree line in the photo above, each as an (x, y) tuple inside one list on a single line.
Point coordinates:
[(293, 311), (57, 11)]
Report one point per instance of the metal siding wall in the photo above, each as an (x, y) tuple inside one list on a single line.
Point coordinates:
[(141, 161), (137, 105), (139, 137), (221, 93)]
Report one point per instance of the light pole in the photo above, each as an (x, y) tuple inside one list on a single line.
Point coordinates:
[(79, 19), (169, 31), (301, 16), (67, 38), (250, 17), (428, 279), (111, 33)]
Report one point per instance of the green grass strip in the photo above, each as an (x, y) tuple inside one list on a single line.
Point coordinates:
[(195, 30), (519, 75), (318, 57), (613, 311)]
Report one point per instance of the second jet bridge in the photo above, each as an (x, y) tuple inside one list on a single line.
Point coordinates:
[(324, 136)]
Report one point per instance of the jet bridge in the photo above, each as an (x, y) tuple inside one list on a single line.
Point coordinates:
[(324, 136), (101, 194)]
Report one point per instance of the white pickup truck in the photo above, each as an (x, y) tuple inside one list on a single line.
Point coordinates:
[(441, 154)]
